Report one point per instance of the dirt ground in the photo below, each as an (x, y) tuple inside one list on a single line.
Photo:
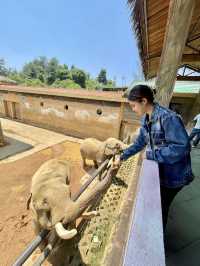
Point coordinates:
[(15, 178)]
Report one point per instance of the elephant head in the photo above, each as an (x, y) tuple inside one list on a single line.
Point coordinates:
[(114, 146)]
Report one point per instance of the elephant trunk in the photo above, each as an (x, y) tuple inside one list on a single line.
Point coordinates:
[(89, 196)]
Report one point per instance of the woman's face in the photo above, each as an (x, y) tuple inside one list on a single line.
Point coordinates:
[(138, 107)]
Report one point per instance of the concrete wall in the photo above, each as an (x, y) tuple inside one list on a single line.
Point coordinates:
[(196, 107), (187, 107), (83, 117), (76, 117), (130, 121), (183, 106)]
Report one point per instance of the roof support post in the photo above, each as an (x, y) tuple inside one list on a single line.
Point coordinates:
[(177, 29)]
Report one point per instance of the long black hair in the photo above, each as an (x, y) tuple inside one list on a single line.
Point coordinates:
[(141, 91)]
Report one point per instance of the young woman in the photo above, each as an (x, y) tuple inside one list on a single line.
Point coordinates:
[(164, 134)]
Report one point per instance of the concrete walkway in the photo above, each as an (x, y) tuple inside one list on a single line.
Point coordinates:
[(183, 229), (13, 147), (37, 137)]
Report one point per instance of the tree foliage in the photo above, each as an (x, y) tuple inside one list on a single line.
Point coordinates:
[(79, 77), (67, 83), (102, 77), (3, 70), (42, 71)]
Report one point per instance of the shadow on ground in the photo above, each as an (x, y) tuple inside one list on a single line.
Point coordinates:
[(13, 147)]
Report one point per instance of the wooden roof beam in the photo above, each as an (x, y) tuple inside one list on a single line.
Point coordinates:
[(186, 58), (189, 78), (177, 30)]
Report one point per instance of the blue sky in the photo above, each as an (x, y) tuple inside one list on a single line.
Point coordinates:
[(89, 34)]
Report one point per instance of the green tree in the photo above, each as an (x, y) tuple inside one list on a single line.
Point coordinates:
[(36, 69), (79, 77), (18, 77), (52, 68), (110, 84), (93, 84), (42, 71), (3, 69), (63, 73), (33, 82), (68, 83), (102, 77)]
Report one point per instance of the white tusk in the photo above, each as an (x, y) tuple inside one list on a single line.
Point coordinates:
[(63, 233)]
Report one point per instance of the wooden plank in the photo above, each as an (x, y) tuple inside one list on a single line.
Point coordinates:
[(161, 15), (154, 12), (178, 24), (146, 32), (158, 25), (145, 241), (155, 6), (156, 37), (157, 42), (159, 30), (186, 58), (189, 78), (155, 50)]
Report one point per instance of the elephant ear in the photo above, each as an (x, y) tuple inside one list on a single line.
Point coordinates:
[(28, 202)]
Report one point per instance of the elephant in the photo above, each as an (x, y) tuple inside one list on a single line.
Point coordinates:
[(131, 136), (52, 205), (98, 151)]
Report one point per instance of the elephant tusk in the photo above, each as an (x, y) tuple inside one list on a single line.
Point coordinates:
[(63, 233)]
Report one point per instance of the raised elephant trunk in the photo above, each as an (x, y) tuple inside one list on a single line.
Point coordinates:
[(88, 196)]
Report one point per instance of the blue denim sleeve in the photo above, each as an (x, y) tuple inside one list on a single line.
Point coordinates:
[(137, 146), (177, 142)]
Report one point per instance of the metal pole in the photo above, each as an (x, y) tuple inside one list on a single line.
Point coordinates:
[(32, 246), (87, 183), (44, 255)]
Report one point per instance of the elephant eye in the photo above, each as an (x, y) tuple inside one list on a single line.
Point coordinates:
[(45, 201), (109, 147)]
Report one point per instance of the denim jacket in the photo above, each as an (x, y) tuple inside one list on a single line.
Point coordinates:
[(167, 143)]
